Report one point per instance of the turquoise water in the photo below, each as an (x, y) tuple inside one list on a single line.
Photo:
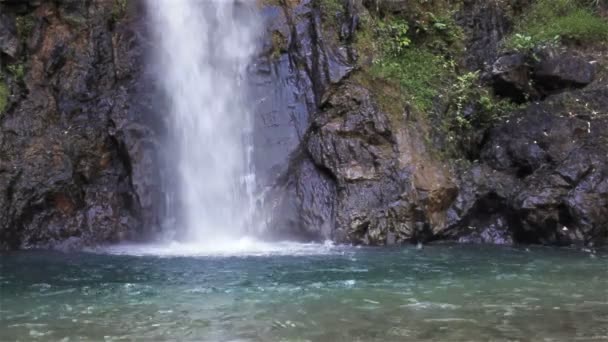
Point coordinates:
[(316, 293)]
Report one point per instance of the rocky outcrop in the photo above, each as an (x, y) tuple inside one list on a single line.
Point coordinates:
[(365, 176), (362, 178), (77, 161), (532, 76), (354, 174), (542, 176)]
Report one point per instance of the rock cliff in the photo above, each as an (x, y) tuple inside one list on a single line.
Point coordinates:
[(377, 122)]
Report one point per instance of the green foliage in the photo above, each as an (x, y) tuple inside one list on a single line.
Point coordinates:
[(119, 9), (331, 11), (18, 70), (392, 35), (555, 21), (472, 108), (522, 42), (464, 91), (443, 25), (25, 25), (279, 44), (467, 92), (419, 72), (415, 66), (3, 97)]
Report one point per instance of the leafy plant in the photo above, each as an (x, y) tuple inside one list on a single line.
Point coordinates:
[(522, 42), (393, 36), (18, 70), (25, 25), (472, 108)]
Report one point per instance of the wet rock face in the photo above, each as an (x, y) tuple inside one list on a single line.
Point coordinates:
[(343, 170), (9, 42), (556, 71), (486, 23), (559, 150), (351, 140), (522, 77), (348, 182), (349, 172), (544, 173), (80, 136), (77, 155)]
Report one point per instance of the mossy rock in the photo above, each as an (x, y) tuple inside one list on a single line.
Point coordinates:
[(4, 93)]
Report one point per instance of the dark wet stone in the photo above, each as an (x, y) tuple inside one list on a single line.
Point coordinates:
[(561, 70), (546, 171), (77, 166), (9, 42), (511, 75)]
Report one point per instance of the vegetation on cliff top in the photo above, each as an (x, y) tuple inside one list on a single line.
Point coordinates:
[(549, 22), (411, 58), (419, 54)]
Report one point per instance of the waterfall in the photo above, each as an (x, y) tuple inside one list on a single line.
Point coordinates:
[(201, 53)]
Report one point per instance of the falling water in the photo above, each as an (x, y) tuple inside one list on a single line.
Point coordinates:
[(202, 52)]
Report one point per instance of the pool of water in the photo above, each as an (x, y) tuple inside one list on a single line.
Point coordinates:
[(305, 293)]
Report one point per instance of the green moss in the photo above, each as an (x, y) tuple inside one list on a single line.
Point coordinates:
[(419, 72), (4, 93), (25, 25), (411, 63), (387, 93), (417, 50), (331, 11), (17, 69), (279, 44), (554, 21), (364, 40), (119, 9)]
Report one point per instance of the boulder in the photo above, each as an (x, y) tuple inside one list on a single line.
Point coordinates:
[(9, 42), (556, 71), (511, 75), (523, 77)]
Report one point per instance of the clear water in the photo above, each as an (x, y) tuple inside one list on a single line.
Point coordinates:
[(201, 53), (306, 293)]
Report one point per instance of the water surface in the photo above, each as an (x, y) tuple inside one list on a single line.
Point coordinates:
[(306, 293)]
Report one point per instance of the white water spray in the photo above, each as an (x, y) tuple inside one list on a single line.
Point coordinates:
[(204, 48)]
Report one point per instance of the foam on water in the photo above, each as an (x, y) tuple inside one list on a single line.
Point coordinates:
[(402, 296), (245, 246)]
